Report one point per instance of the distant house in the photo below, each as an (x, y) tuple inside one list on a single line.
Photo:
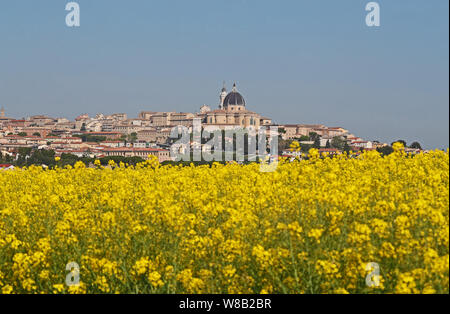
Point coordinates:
[(6, 167), (362, 144), (161, 154), (330, 151)]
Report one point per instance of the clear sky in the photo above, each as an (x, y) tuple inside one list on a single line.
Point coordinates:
[(296, 61)]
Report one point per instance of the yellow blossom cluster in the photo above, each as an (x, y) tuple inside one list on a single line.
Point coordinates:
[(311, 226)]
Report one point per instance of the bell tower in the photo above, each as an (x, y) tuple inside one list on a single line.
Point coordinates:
[(223, 94)]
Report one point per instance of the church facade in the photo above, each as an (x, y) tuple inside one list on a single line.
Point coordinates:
[(232, 111)]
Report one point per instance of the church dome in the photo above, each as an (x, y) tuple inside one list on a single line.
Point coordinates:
[(234, 98)]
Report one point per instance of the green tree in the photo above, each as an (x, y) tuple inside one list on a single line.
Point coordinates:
[(22, 154), (22, 134), (69, 159), (385, 150), (304, 138), (132, 137), (316, 143), (415, 145), (24, 151), (37, 134), (399, 141), (91, 138), (313, 136), (306, 147), (6, 159), (346, 147), (283, 144), (338, 142), (42, 157), (328, 145)]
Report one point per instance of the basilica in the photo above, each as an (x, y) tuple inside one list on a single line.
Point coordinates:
[(231, 111)]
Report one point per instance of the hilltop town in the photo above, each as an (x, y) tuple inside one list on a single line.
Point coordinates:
[(149, 133)]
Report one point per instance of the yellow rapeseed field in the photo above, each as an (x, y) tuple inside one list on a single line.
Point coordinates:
[(312, 226)]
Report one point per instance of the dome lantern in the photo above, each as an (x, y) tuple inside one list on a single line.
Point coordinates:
[(234, 100)]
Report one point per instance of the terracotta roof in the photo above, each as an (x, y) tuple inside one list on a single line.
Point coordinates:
[(328, 150), (133, 149)]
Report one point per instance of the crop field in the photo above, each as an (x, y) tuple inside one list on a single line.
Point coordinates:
[(370, 224)]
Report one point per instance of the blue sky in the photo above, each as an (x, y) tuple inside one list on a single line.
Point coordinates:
[(296, 61)]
